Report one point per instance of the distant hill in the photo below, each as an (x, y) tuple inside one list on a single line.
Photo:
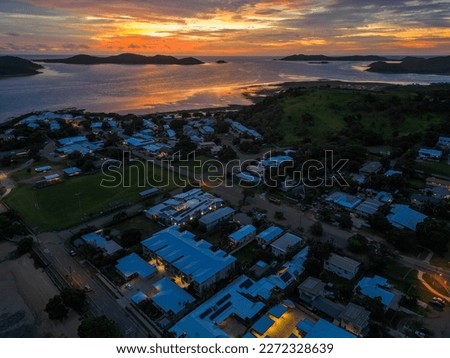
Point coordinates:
[(16, 66), (431, 66), (125, 59), (323, 58)]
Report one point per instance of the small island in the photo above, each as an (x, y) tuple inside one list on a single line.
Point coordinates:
[(15, 66), (430, 66), (325, 59), (125, 59), (221, 62)]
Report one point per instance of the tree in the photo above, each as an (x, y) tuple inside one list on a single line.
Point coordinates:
[(73, 298), (226, 154), (379, 222), (25, 245), (130, 237), (433, 234), (98, 327), (357, 244), (345, 221), (247, 193), (316, 229), (56, 308)]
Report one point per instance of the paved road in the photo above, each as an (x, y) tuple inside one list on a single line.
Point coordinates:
[(101, 299)]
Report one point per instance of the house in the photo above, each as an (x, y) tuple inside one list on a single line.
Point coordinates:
[(133, 265), (248, 178), (342, 266), (262, 325), (211, 220), (430, 154), (437, 182), (371, 168), (193, 261), (235, 302), (286, 244), (345, 200), (96, 239), (355, 319), (243, 235), (71, 140), (260, 269), (368, 207), (321, 329), (270, 234), (276, 161), (170, 298), (403, 217), (43, 169), (443, 142), (378, 286), (391, 173), (310, 289), (71, 172), (184, 207)]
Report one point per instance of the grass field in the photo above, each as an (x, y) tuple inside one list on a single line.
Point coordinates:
[(25, 174), (63, 205), (441, 168), (330, 106)]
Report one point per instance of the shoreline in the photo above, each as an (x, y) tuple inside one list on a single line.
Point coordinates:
[(254, 93)]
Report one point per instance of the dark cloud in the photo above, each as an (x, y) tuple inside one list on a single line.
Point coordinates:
[(133, 46)]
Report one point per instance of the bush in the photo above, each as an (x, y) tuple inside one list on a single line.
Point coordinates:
[(25, 245)]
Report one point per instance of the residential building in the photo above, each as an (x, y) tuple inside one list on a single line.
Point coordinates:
[(310, 289), (443, 142), (43, 169), (368, 207), (71, 172), (342, 266), (286, 244), (371, 168), (234, 302), (269, 235), (355, 319), (170, 298), (378, 286), (345, 200), (211, 220), (97, 239), (243, 235), (321, 329), (184, 207), (430, 154), (437, 182), (193, 261), (133, 265), (403, 217)]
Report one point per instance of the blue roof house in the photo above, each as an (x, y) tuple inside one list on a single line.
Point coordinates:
[(322, 329), (403, 217), (243, 235), (270, 234), (132, 265), (377, 286), (171, 298)]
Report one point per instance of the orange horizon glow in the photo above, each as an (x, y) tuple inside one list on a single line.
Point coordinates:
[(196, 27)]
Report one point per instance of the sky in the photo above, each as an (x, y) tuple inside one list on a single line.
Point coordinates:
[(225, 27)]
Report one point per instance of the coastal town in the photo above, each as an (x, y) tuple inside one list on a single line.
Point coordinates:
[(252, 253)]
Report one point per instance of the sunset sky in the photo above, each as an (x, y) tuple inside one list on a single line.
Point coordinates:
[(226, 27)]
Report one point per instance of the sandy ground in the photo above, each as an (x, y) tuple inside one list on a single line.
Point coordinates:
[(24, 292)]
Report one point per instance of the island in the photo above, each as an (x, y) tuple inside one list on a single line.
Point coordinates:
[(124, 59), (15, 66), (324, 58), (221, 62), (429, 66)]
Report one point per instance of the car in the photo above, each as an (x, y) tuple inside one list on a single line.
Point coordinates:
[(437, 304), (87, 288), (72, 253)]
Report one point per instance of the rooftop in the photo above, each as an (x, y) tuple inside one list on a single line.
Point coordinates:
[(72, 170), (270, 234), (262, 324), (242, 233), (216, 215), (374, 287), (134, 264), (371, 168), (345, 263), (402, 216), (323, 329), (356, 314), (237, 299), (278, 310), (194, 258), (312, 285), (369, 206), (170, 297), (286, 241), (346, 200), (97, 240)]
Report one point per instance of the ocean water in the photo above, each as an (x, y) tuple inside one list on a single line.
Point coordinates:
[(153, 88)]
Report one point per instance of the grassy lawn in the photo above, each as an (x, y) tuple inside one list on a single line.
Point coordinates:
[(58, 206), (146, 226), (246, 256), (329, 107), (441, 168)]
